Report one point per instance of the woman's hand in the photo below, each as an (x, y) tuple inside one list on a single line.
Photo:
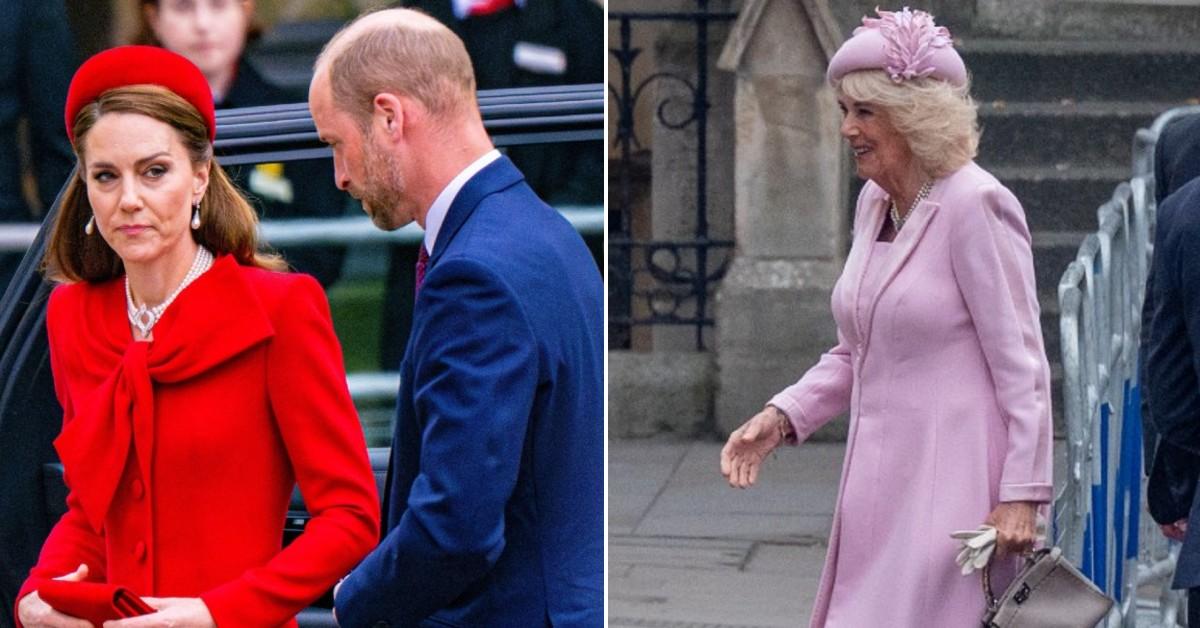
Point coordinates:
[(35, 613), (749, 444), (173, 612), (1016, 527)]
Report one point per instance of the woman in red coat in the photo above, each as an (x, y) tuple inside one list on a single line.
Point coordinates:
[(198, 383)]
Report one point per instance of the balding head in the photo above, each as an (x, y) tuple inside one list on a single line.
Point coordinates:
[(398, 51)]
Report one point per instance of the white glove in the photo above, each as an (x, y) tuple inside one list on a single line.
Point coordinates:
[(978, 545)]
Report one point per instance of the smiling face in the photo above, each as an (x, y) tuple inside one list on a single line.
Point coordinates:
[(141, 185), (210, 33), (362, 165), (880, 151)]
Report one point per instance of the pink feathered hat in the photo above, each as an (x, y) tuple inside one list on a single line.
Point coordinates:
[(906, 44)]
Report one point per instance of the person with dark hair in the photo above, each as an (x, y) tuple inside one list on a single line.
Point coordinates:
[(198, 383), (495, 492), (214, 35)]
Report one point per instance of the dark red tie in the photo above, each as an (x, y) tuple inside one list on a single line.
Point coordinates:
[(422, 262), (488, 7)]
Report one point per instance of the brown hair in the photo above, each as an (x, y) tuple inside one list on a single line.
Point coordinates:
[(229, 224), (412, 54), (145, 35)]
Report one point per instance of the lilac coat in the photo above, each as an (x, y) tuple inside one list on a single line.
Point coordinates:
[(945, 377)]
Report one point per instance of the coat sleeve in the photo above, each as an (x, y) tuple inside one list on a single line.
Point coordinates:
[(475, 373), (992, 261), (72, 541), (821, 394), (1173, 355), (319, 426)]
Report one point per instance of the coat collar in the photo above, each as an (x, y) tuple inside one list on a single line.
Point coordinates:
[(216, 318), (902, 247), (497, 176)]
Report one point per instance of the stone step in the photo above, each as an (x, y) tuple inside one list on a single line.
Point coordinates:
[(1061, 198), (1125, 20), (1062, 134), (1050, 71), (1052, 252)]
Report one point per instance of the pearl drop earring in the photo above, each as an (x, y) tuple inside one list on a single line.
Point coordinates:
[(196, 216), (90, 227)]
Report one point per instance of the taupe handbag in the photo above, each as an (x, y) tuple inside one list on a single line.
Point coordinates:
[(1048, 593)]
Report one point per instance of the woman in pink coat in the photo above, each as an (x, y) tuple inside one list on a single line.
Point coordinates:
[(940, 360)]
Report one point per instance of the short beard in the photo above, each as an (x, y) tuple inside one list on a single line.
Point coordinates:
[(382, 194)]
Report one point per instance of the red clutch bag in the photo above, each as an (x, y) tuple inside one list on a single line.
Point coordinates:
[(93, 601)]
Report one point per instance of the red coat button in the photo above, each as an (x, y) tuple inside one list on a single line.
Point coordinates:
[(139, 551), (139, 489)]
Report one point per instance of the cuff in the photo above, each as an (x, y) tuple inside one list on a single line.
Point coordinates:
[(1037, 492), (795, 416)]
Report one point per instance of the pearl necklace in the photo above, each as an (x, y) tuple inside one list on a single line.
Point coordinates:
[(897, 221), (144, 318)]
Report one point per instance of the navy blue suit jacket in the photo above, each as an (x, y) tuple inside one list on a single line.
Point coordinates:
[(1173, 370), (494, 498)]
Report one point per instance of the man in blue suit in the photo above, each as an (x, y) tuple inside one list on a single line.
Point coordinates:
[(494, 498)]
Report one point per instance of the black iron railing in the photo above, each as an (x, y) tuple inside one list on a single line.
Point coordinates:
[(665, 281)]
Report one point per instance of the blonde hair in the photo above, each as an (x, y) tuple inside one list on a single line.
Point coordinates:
[(229, 224), (400, 51), (938, 120)]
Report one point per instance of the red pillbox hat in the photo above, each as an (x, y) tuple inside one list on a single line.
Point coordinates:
[(139, 65)]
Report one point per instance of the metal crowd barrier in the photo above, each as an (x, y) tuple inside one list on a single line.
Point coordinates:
[(1098, 509), (349, 230)]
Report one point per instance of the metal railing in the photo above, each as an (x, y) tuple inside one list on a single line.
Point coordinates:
[(661, 281), (1099, 508)]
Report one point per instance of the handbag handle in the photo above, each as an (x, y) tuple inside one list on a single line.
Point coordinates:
[(988, 595)]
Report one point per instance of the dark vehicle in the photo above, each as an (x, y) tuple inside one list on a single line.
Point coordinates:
[(32, 493)]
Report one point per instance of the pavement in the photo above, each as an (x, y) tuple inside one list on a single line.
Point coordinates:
[(687, 551)]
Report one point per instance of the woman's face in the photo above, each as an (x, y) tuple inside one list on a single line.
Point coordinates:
[(141, 185), (210, 33), (880, 151)]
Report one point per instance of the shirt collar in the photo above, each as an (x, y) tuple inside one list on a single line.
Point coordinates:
[(441, 204)]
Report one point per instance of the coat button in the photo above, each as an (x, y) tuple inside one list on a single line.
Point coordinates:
[(139, 489), (139, 551)]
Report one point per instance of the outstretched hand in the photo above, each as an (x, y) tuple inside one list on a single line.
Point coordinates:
[(749, 444)]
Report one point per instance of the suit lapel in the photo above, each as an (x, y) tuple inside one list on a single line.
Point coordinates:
[(496, 176)]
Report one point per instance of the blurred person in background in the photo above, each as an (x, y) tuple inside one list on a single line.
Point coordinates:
[(36, 62), (214, 34)]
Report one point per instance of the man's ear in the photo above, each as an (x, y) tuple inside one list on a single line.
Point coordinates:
[(388, 113)]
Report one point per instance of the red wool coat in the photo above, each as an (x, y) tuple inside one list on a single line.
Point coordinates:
[(181, 453)]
